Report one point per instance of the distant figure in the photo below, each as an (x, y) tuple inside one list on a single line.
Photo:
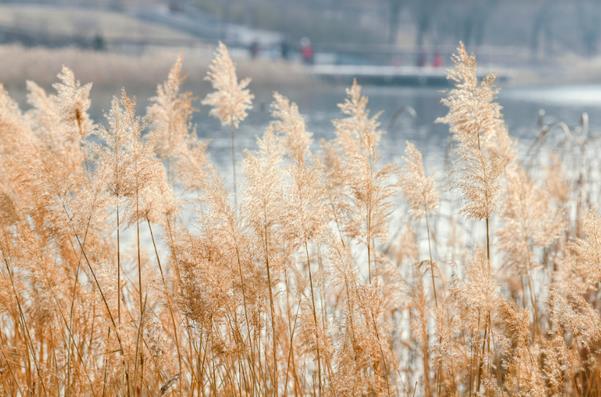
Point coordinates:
[(437, 61), (253, 49), (98, 42), (284, 49), (421, 59), (307, 52), (173, 7)]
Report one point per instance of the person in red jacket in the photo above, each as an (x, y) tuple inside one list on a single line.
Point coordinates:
[(307, 52), (437, 61)]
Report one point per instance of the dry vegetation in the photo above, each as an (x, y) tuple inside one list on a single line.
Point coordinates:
[(64, 20), (130, 268), (110, 71)]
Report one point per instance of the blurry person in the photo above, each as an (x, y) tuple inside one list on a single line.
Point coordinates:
[(421, 58), (173, 7), (98, 42), (253, 49), (437, 60), (307, 52), (284, 49)]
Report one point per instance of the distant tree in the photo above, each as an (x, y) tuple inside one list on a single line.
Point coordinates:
[(394, 13), (467, 18), (541, 26), (589, 22), (476, 16), (423, 12)]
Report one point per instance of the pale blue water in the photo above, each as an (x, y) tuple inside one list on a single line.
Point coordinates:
[(410, 114)]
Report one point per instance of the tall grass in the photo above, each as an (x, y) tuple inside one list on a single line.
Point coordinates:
[(130, 267)]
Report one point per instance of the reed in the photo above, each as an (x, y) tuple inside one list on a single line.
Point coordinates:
[(131, 268)]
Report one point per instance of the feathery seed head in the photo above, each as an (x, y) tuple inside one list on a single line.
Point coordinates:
[(231, 99), (419, 189)]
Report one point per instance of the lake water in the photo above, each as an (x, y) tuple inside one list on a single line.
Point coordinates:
[(409, 114)]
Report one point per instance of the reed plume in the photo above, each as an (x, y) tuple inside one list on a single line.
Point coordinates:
[(368, 186), (420, 193), (231, 100)]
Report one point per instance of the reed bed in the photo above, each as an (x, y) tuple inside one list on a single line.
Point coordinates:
[(111, 70), (132, 266)]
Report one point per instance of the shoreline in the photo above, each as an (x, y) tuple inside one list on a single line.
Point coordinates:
[(111, 70)]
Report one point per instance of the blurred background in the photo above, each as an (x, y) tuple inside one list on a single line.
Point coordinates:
[(544, 52)]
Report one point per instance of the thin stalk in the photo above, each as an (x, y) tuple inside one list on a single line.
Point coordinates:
[(488, 329), (335, 216), (425, 339), (292, 330), (488, 244), (116, 174), (188, 327), (381, 351), (233, 155), (28, 338), (481, 356), (233, 231), (118, 266), (104, 364), (316, 324), (139, 262), (431, 260), (369, 245), (72, 304), (271, 309), (169, 304), (107, 307), (9, 365), (69, 337), (250, 342), (369, 205), (437, 375), (140, 348), (533, 303), (488, 260)]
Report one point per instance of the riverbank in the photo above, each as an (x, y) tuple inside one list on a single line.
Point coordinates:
[(136, 71)]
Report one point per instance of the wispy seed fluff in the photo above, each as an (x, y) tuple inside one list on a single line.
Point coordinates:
[(169, 114), (418, 188), (483, 145), (231, 99)]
